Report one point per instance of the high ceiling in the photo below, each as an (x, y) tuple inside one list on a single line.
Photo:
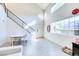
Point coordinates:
[(43, 5), (24, 8), (59, 12), (27, 8)]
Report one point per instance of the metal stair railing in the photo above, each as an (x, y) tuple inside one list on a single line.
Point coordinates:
[(3, 6), (16, 19)]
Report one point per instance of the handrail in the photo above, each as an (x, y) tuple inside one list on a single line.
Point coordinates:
[(7, 10), (20, 19), (3, 6), (19, 25)]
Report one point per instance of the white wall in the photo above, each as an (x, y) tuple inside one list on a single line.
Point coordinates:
[(40, 28), (13, 29), (62, 40), (3, 29)]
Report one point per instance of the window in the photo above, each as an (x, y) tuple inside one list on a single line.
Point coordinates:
[(66, 26)]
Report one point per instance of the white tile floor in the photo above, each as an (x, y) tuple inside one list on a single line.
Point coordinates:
[(42, 47)]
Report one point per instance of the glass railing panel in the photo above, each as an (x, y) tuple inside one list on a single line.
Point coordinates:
[(18, 20), (14, 18)]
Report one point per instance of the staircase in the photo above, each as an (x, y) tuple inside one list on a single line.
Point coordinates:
[(17, 20), (29, 30)]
